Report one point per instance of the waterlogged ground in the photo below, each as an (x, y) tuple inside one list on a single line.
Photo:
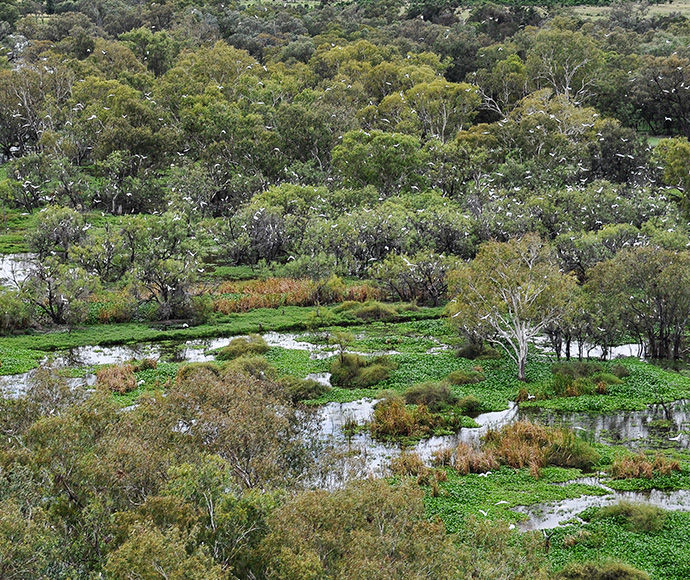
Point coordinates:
[(649, 410)]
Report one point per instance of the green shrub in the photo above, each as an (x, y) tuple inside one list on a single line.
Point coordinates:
[(254, 366), (608, 378), (470, 404), (243, 346), (601, 571), (434, 395), (345, 368), (14, 313), (189, 371), (620, 371), (489, 353), (477, 351), (576, 369), (354, 371), (569, 450), (302, 389), (372, 375), (375, 311), (637, 517), (144, 364), (461, 377)]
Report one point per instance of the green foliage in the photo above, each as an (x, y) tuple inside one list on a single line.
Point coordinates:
[(460, 377), (435, 396), (637, 517), (252, 345), (355, 371), (302, 389), (601, 571)]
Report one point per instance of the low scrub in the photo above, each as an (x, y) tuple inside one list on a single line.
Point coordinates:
[(575, 378), (117, 378), (636, 517), (601, 571), (354, 371), (436, 396), (144, 364), (475, 351), (394, 420), (640, 466), (302, 389), (576, 369), (243, 346), (202, 369), (371, 310), (461, 377), (254, 366)]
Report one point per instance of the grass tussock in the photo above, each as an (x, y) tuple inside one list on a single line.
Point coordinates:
[(640, 466), (436, 396), (354, 371), (636, 517), (461, 377), (521, 445), (252, 345), (370, 310), (392, 419), (117, 378), (302, 389), (577, 378), (601, 571)]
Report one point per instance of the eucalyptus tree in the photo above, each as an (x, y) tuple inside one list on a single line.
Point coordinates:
[(509, 294)]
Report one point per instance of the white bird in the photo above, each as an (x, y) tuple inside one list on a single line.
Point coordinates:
[(676, 438), (483, 513), (500, 502)]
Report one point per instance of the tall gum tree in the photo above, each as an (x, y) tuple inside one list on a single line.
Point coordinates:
[(509, 294)]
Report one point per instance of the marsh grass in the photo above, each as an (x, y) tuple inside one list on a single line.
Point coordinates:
[(636, 517), (243, 346), (117, 378), (524, 445), (640, 466)]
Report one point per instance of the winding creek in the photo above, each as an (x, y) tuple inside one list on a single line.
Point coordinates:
[(634, 429)]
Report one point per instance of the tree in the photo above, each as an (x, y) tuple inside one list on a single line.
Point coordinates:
[(166, 261), (58, 229), (649, 287), (384, 160), (510, 293), (568, 62), (59, 291), (444, 108)]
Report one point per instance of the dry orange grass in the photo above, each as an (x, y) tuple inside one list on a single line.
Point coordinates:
[(469, 460), (640, 466), (277, 292), (117, 378)]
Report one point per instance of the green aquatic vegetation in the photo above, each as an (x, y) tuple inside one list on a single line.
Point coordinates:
[(665, 554), (497, 493), (17, 359), (296, 362)]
